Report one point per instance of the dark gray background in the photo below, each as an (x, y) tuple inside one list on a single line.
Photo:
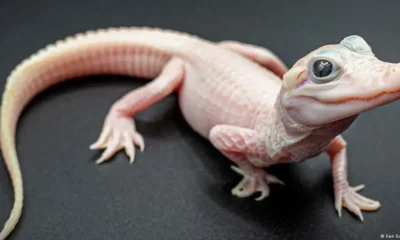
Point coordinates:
[(179, 188)]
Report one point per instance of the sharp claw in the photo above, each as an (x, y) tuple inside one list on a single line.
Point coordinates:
[(111, 149), (100, 160), (129, 148), (263, 195), (102, 139), (360, 215), (359, 188), (264, 189), (138, 140), (273, 179), (130, 154), (237, 170), (96, 146), (339, 205), (354, 208)]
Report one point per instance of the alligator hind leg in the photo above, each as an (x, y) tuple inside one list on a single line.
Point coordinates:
[(119, 130)]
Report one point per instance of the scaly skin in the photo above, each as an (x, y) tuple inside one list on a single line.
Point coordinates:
[(239, 96)]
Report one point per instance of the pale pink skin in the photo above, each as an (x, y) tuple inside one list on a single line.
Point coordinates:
[(239, 96)]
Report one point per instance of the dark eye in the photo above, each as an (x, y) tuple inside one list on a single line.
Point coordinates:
[(322, 68), (325, 66)]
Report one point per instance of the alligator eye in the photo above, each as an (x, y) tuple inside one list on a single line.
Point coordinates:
[(324, 71), (322, 68), (325, 66)]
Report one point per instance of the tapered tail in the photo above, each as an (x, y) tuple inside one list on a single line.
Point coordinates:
[(7, 141), (107, 51)]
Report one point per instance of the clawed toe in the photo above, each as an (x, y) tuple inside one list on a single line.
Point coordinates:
[(101, 142), (129, 142), (264, 190), (118, 133), (252, 182), (138, 140), (112, 147), (355, 202)]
